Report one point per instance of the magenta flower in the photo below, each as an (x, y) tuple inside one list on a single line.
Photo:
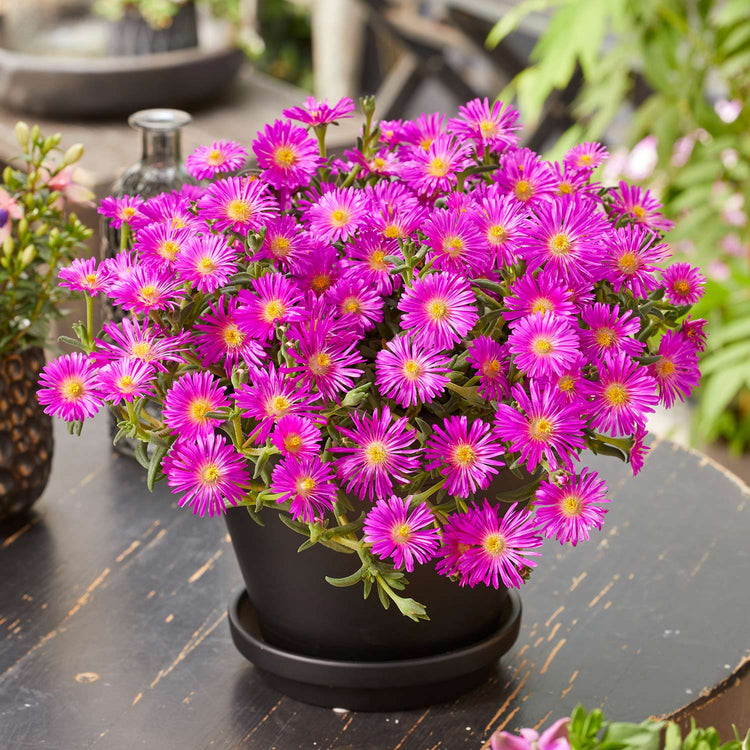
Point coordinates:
[(147, 288), (565, 238), (208, 473), (166, 208), (220, 157), (501, 220), (398, 219), (222, 335), (456, 242), (9, 209), (526, 177), (436, 167), (546, 426), (543, 345), (683, 284), (337, 214), (356, 303), (142, 341), (238, 204), (630, 258), (410, 375), (490, 127), (325, 362), (609, 332), (623, 396), (318, 269), (308, 484), (120, 211), (296, 437), (69, 387), (440, 308), (126, 379), (482, 547), (487, 357), (570, 383), (286, 154), (676, 371), (320, 113), (586, 156), (571, 181), (692, 331), (392, 132), (160, 244), (467, 456), (275, 299), (189, 401), (406, 537), (553, 738), (539, 295), (639, 206), (270, 396), (424, 130), (376, 454), (283, 242), (207, 263), (638, 450), (83, 276), (367, 261), (566, 512)]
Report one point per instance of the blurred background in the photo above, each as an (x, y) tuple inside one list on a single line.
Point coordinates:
[(663, 83)]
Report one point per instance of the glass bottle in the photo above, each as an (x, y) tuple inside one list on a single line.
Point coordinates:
[(159, 170)]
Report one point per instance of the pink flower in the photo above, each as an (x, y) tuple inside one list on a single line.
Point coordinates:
[(83, 276), (188, 403), (337, 215), (286, 154), (220, 157), (207, 263), (492, 127), (553, 738), (320, 113), (237, 203), (69, 387)]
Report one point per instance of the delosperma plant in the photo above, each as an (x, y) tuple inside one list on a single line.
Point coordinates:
[(362, 343)]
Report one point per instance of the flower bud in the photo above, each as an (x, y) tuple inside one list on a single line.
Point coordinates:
[(73, 154), (27, 255), (23, 227), (368, 105), (35, 134), (22, 134), (8, 246), (7, 175)]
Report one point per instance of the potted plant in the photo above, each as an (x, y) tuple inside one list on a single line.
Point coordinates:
[(391, 361), (38, 237)]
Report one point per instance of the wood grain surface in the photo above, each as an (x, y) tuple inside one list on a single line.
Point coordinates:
[(113, 629)]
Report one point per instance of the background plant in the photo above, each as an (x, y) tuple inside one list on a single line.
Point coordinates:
[(39, 237), (684, 67)]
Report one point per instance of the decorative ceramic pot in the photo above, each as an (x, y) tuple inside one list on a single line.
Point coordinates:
[(25, 432), (329, 646)]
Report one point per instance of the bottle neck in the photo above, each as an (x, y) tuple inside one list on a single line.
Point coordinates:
[(161, 147)]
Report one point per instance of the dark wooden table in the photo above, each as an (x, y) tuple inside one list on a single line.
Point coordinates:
[(113, 604)]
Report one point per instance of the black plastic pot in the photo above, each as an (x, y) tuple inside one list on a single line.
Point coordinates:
[(329, 646), (132, 35)]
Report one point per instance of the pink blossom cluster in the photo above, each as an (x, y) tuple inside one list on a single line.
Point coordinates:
[(389, 332)]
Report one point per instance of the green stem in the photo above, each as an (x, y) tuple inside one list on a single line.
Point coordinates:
[(90, 322), (124, 236)]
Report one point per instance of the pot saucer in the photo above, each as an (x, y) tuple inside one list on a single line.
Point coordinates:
[(371, 685)]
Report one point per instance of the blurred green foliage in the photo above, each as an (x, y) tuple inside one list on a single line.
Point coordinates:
[(678, 70)]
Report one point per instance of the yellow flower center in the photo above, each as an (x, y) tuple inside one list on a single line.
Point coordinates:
[(206, 265), (168, 250), (541, 346), (284, 157), (497, 234), (560, 244), (494, 544), (91, 279), (638, 211), (148, 294), (564, 188), (628, 263), (584, 160), (401, 534), (487, 128), (541, 429), (681, 286), (605, 337), (566, 383), (211, 474), (453, 246), (542, 305), (277, 405), (73, 389), (215, 158), (425, 143), (377, 262), (377, 163), (340, 217), (280, 246), (664, 367), (437, 309), (293, 442), (239, 210), (616, 394), (198, 409), (351, 305), (464, 455), (232, 336), (178, 223), (128, 213), (438, 167), (320, 282), (523, 190), (412, 369), (126, 383), (141, 350), (305, 485), (376, 453), (273, 310), (392, 231), (320, 363), (491, 369), (571, 506)]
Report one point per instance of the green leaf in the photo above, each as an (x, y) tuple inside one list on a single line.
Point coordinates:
[(351, 580), (717, 393), (644, 736), (154, 466), (141, 455), (735, 354), (511, 20)]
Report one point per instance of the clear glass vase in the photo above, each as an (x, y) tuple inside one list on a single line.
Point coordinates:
[(159, 170)]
